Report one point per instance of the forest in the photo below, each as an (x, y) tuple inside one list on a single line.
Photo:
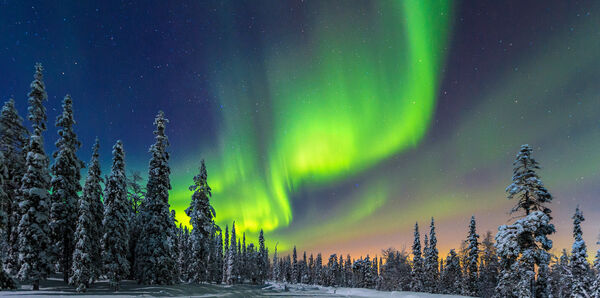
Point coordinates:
[(115, 228)]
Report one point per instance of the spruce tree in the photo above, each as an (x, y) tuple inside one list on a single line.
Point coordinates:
[(472, 260), (595, 292), (452, 274), (6, 282), (263, 258), (92, 193), (13, 140), (115, 241), (65, 187), (275, 274), (201, 215), (489, 269), (225, 253), (155, 263), (580, 268), (294, 266), (432, 258), (84, 269), (232, 265), (417, 272), (35, 249)]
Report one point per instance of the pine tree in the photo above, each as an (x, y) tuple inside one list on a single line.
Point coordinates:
[(92, 193), (65, 187), (83, 268), (472, 260), (201, 215), (526, 185), (154, 261), (115, 241), (417, 272), (520, 245), (6, 282), (580, 268), (13, 140), (34, 233)]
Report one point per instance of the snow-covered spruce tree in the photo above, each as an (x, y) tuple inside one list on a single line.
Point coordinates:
[(87, 258), (451, 277), (520, 245), (432, 259), (13, 139), (83, 268), (294, 266), (318, 270), (560, 278), (66, 176), (470, 287), (115, 241), (489, 268), (304, 269), (427, 285), (92, 193), (238, 262), (233, 255), (230, 265), (154, 262), (595, 292), (542, 285), (580, 268), (6, 282), (217, 263), (35, 256), (310, 269), (225, 253), (417, 271), (201, 215), (275, 272), (263, 258), (184, 253)]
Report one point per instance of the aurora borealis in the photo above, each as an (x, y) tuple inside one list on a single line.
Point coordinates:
[(332, 125)]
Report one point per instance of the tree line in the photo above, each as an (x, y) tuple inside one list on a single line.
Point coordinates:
[(111, 227), (514, 263)]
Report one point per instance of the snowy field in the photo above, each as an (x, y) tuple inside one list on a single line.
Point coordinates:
[(54, 287)]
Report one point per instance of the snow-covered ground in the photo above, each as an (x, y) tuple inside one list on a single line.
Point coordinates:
[(54, 287)]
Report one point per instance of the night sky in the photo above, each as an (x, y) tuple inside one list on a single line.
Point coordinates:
[(333, 125)]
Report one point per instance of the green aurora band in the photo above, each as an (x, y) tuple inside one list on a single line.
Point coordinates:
[(359, 88)]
